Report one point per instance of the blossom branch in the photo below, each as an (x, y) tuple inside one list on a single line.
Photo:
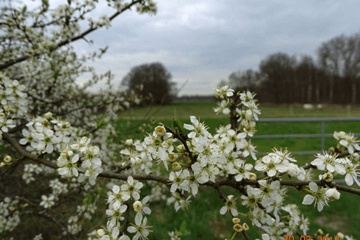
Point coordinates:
[(65, 42)]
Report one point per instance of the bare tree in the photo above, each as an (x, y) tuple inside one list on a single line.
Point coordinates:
[(248, 79), (340, 58), (279, 69)]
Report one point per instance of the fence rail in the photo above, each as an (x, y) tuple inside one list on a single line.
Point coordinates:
[(322, 135)]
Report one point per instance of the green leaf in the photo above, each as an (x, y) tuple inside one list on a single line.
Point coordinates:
[(52, 48), (56, 74), (45, 2), (88, 200), (24, 9), (177, 125), (183, 229)]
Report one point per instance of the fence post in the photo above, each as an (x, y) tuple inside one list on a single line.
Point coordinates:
[(323, 125), (348, 110)]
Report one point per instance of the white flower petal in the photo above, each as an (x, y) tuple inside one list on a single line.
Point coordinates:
[(308, 199), (313, 187), (223, 210), (131, 229)]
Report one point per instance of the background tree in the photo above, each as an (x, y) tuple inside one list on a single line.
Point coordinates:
[(151, 79), (279, 69), (340, 59), (243, 80), (305, 84)]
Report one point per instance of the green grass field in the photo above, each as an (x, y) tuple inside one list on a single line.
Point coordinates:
[(202, 218), (205, 110)]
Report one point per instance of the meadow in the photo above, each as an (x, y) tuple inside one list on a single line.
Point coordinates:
[(202, 219)]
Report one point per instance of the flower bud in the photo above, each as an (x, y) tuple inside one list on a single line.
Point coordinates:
[(137, 206), (331, 150), (7, 108), (355, 156), (319, 232), (129, 142), (48, 115), (2, 164), (252, 176), (340, 235), (176, 166), (327, 177), (100, 233), (172, 157), (180, 148), (238, 228), (236, 220), (160, 131), (7, 159), (245, 226)]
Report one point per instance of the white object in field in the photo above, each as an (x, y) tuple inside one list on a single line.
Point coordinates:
[(319, 106), (308, 106)]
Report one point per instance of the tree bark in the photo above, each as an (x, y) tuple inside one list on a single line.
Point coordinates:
[(353, 91), (331, 92)]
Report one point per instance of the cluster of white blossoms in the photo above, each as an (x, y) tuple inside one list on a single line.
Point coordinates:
[(13, 101), (199, 158), (331, 165), (84, 212), (346, 141), (29, 170), (74, 226), (280, 162), (192, 157), (85, 159), (58, 188), (9, 214), (119, 199), (248, 112), (45, 134)]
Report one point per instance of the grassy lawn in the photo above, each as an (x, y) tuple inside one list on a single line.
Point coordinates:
[(204, 109), (203, 220)]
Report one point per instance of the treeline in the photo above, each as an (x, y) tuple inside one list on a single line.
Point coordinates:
[(189, 98), (333, 77)]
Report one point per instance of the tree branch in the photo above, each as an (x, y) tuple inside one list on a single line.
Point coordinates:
[(65, 42)]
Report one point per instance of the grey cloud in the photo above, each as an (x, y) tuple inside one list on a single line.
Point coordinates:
[(206, 40)]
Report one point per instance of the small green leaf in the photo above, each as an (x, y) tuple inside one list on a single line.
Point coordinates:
[(56, 74), (177, 125), (88, 200), (24, 9), (183, 229)]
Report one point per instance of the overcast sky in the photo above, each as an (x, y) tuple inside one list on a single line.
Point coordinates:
[(205, 40)]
